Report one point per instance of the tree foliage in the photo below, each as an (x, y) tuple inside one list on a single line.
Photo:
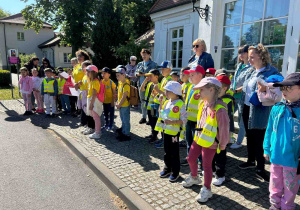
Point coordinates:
[(26, 58), (3, 13)]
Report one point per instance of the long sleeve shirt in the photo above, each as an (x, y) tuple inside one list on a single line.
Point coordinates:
[(55, 85), (26, 85), (183, 114)]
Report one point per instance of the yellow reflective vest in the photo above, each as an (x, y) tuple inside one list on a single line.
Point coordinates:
[(192, 104), (48, 86), (164, 81), (173, 115), (210, 129), (60, 84)]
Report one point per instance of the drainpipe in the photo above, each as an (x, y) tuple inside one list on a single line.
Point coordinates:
[(53, 58), (12, 92)]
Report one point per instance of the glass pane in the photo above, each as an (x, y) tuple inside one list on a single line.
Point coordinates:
[(22, 36), (231, 36), (277, 8), (174, 55), (276, 54), (180, 45), (174, 45), (179, 63), (174, 34), (181, 32), (275, 31), (251, 33), (298, 60), (174, 63), (233, 12), (253, 10), (229, 59), (18, 35), (180, 54)]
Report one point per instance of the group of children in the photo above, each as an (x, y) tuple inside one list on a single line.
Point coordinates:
[(199, 110)]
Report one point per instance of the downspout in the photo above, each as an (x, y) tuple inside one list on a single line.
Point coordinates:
[(53, 58)]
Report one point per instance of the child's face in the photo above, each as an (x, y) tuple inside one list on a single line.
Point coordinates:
[(209, 75), (23, 73), (34, 73), (153, 78), (170, 95), (223, 91), (175, 78), (120, 77), (184, 77), (165, 72), (205, 92), (105, 75), (195, 77), (83, 68), (48, 74), (73, 63), (291, 93)]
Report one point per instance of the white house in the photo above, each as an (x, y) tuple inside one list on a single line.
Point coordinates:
[(230, 24)]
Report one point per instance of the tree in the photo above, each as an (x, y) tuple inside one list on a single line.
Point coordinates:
[(3, 13), (74, 17)]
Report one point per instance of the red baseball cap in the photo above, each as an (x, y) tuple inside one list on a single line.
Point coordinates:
[(193, 69), (224, 79), (211, 71)]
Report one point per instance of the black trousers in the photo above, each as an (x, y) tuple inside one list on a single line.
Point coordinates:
[(83, 118), (73, 101), (255, 140), (171, 157), (152, 121), (219, 163), (58, 102), (90, 122)]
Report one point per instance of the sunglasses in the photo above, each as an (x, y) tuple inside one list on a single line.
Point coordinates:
[(195, 46)]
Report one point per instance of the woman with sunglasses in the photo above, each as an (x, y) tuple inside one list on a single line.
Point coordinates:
[(201, 57), (45, 64)]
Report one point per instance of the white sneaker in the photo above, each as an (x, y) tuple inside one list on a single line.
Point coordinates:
[(214, 174), (88, 131), (218, 181), (204, 195), (190, 181), (95, 136), (235, 146)]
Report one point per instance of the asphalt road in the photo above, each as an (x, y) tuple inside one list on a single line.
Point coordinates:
[(37, 171)]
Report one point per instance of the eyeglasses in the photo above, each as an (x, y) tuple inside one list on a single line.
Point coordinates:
[(195, 46), (286, 88)]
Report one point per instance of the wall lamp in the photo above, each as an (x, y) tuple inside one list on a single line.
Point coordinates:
[(203, 12)]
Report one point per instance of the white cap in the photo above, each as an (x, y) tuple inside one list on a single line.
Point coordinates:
[(133, 58), (174, 87)]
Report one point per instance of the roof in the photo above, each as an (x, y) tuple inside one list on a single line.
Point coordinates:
[(51, 42), (19, 19), (148, 37), (161, 5)]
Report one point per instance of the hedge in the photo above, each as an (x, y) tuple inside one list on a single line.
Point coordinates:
[(4, 78)]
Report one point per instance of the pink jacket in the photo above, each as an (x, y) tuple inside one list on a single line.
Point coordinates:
[(271, 96), (26, 83)]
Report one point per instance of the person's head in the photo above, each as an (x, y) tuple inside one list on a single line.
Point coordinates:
[(153, 75), (34, 61), (210, 72), (199, 46), (225, 81), (53, 73), (74, 62), (243, 54), (48, 72), (259, 56), (133, 60), (34, 72), (175, 76), (60, 71), (70, 71), (173, 90), (196, 74), (106, 72), (146, 54), (209, 88), (220, 72), (85, 64), (92, 72), (184, 77), (166, 68), (24, 71), (121, 73), (82, 56), (46, 62), (290, 87)]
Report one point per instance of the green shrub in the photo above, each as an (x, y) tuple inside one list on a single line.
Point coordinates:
[(4, 78), (26, 58)]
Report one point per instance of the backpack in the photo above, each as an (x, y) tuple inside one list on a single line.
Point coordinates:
[(133, 99), (101, 94)]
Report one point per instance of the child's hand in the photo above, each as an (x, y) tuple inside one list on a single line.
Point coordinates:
[(91, 107), (76, 86), (161, 99), (267, 157), (147, 79), (261, 87), (118, 106), (156, 87), (168, 122)]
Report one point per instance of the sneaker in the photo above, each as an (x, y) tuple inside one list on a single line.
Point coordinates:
[(160, 145), (152, 140), (173, 178), (262, 176), (95, 136), (218, 181), (88, 131), (42, 111), (119, 131), (158, 141), (148, 123), (204, 195), (235, 146), (247, 165), (149, 136), (142, 121), (190, 181), (164, 174), (184, 162), (182, 143), (232, 140)]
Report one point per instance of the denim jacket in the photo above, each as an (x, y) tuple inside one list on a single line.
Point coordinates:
[(205, 60), (259, 115), (239, 76), (141, 68)]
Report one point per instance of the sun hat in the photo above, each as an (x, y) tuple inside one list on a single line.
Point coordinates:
[(92, 68), (174, 87), (208, 80)]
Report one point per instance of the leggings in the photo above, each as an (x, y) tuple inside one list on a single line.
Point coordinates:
[(97, 122), (38, 98), (27, 101)]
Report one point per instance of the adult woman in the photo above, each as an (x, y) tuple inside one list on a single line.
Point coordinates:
[(33, 63), (130, 71), (45, 64), (142, 68), (201, 57), (237, 82), (256, 117)]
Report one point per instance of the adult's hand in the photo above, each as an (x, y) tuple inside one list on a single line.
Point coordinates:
[(261, 87)]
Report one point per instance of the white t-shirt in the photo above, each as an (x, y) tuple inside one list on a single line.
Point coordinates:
[(195, 62)]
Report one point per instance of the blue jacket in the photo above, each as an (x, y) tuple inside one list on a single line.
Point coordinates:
[(205, 60), (239, 76), (141, 68), (259, 115), (282, 138)]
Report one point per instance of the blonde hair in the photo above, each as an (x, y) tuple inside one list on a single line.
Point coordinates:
[(262, 53), (215, 95), (93, 75), (34, 69), (24, 69), (201, 42), (74, 59)]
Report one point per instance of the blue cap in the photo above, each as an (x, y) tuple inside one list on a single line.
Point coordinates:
[(166, 65), (274, 78)]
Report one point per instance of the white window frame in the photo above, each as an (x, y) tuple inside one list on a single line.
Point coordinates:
[(66, 56), (177, 40), (20, 37)]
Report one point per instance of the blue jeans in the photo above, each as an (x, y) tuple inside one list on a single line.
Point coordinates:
[(242, 131), (109, 110), (143, 107), (65, 102), (125, 118)]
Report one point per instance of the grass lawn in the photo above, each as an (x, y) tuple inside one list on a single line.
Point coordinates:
[(5, 93)]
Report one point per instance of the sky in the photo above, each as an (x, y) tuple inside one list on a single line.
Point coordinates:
[(14, 6)]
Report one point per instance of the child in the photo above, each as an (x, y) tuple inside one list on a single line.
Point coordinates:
[(64, 99), (210, 72), (74, 62), (49, 91), (109, 99), (94, 106), (212, 135), (123, 104), (175, 76), (282, 145), (172, 118), (37, 82), (150, 93), (186, 83), (26, 86), (70, 72)]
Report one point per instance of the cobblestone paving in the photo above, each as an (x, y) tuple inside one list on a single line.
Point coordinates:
[(138, 164)]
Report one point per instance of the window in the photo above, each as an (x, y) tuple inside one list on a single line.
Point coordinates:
[(252, 22), (66, 58), (20, 36), (176, 47)]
